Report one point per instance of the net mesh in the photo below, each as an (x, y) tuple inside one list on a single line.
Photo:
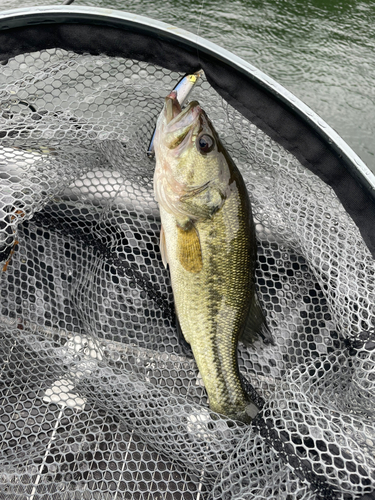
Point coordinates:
[(98, 399)]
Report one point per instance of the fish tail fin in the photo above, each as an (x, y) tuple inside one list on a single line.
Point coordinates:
[(256, 325)]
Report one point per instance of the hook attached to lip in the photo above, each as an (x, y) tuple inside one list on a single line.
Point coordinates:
[(182, 91)]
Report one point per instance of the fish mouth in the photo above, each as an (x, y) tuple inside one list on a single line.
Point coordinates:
[(172, 107), (175, 113), (181, 123)]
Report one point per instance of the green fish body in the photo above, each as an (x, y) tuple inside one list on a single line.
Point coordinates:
[(208, 240)]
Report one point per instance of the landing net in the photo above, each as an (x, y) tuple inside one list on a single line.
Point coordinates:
[(97, 398)]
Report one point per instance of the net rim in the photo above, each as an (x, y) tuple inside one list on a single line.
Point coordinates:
[(32, 16)]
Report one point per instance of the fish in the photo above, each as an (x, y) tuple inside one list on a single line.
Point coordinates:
[(208, 240)]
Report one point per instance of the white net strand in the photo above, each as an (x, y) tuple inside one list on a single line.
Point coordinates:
[(255, 471), (97, 396)]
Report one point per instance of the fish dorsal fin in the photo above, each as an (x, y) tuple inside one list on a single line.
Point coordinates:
[(189, 248), (256, 325), (163, 247)]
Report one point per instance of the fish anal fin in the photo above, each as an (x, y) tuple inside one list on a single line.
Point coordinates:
[(163, 247), (256, 326), (189, 248), (185, 346)]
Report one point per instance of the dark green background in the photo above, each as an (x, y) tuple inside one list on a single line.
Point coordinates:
[(323, 51)]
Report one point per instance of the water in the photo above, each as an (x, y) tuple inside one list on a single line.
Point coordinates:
[(321, 50)]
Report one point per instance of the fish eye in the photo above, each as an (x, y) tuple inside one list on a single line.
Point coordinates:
[(205, 143)]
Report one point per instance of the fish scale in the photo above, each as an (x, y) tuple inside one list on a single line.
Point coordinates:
[(210, 247)]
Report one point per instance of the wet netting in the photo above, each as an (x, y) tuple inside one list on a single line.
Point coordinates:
[(98, 399)]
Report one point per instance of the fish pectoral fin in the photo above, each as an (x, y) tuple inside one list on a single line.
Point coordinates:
[(163, 247), (189, 248), (256, 326)]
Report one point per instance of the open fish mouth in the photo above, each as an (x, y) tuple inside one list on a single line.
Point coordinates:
[(172, 107), (175, 114), (181, 124)]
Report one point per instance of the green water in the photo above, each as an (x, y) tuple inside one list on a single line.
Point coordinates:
[(321, 50)]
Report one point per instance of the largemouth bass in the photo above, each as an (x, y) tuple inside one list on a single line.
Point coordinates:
[(208, 241)]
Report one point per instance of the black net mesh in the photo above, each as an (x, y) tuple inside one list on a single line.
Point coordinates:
[(98, 399)]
